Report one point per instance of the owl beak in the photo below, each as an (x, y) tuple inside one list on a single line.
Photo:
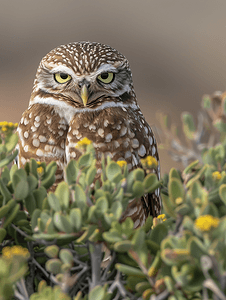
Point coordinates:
[(84, 94)]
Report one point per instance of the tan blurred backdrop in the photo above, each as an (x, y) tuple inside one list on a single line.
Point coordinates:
[(176, 48)]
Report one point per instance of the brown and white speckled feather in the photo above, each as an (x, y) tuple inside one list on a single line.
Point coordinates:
[(57, 118)]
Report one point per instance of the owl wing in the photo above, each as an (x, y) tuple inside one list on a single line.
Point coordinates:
[(42, 134), (142, 145)]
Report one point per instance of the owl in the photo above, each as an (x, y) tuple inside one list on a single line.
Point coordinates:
[(85, 89)]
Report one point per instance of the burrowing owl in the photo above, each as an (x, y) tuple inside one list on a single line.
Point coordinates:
[(82, 90)]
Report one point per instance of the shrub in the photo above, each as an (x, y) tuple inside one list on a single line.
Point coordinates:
[(70, 244)]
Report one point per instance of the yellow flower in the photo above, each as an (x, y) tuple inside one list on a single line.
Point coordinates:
[(38, 162), (40, 170), (84, 142), (7, 125), (162, 217), (149, 162), (10, 252), (3, 123), (216, 175), (121, 163), (206, 222), (179, 200)]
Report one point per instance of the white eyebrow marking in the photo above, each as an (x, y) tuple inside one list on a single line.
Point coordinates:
[(63, 69), (106, 68)]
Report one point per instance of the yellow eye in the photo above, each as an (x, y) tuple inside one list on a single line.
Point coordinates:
[(106, 77), (62, 77)]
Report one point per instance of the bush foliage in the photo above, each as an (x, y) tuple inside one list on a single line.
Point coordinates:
[(71, 243)]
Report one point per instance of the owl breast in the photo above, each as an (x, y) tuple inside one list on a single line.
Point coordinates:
[(113, 134)]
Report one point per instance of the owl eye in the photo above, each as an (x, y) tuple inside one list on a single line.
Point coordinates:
[(62, 77), (106, 77)]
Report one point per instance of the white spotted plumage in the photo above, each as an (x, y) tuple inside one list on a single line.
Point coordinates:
[(57, 116)]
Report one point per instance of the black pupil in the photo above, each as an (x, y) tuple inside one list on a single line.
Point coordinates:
[(104, 75), (63, 75)]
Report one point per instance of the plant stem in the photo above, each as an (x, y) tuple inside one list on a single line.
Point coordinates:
[(95, 254)]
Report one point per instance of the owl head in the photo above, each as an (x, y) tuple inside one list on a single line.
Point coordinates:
[(84, 74)]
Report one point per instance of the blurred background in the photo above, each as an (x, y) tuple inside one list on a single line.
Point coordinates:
[(176, 49)]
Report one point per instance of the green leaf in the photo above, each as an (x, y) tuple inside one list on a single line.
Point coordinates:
[(32, 182), (112, 236), (196, 248), (10, 217), (188, 125), (139, 174), (130, 270), (76, 218), (3, 211), (151, 183), (62, 223), (8, 159), (53, 266), (33, 167), (39, 195), (80, 197), (197, 176), (89, 231), (142, 286), (66, 256), (62, 193), (102, 205), (90, 175), (54, 202), (11, 141), (123, 246), (176, 189), (152, 246), (190, 167), (206, 102), (71, 172), (84, 160), (117, 209), (52, 251), (92, 218), (112, 170), (20, 184), (4, 191), (222, 193), (2, 148), (13, 169), (211, 209), (49, 176), (5, 175), (34, 219), (158, 233), (138, 189), (182, 209), (30, 203), (2, 234), (138, 239), (148, 224), (169, 205), (97, 293), (174, 174), (21, 190), (50, 228)]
